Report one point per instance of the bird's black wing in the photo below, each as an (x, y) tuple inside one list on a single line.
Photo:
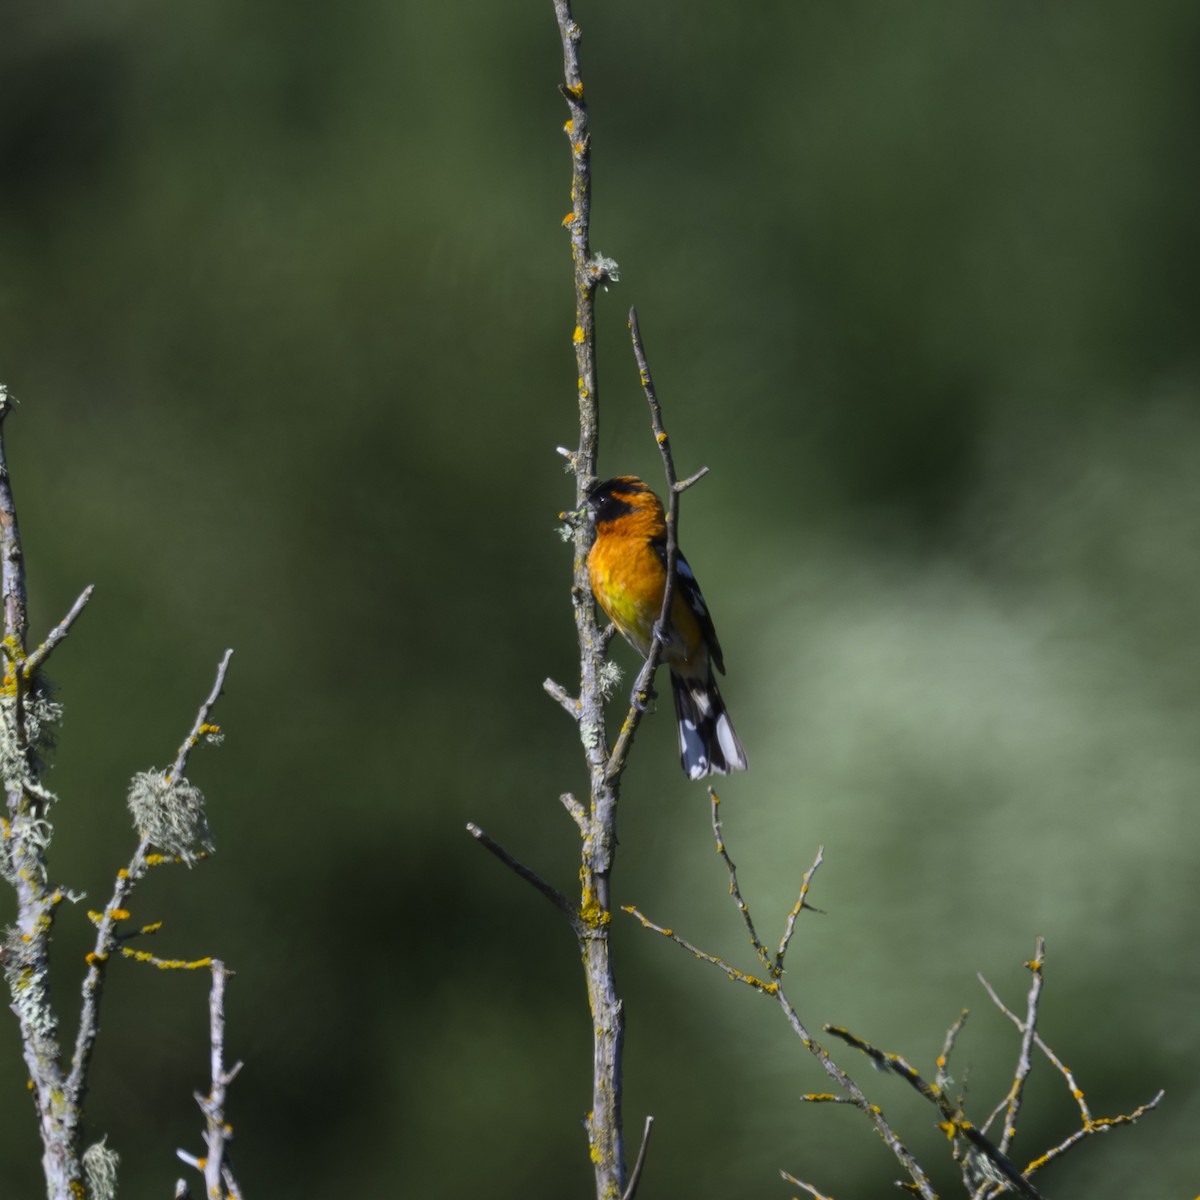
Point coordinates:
[(689, 589)]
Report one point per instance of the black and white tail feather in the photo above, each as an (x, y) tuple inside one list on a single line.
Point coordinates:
[(708, 744)]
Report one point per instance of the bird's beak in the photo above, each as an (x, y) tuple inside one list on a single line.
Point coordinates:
[(575, 517)]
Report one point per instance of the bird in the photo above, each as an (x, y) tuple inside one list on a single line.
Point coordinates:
[(627, 568)]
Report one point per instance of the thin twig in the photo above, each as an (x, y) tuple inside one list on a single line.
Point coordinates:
[(12, 560), (808, 1187), (1024, 1063), (640, 693), (532, 877), (943, 1060), (636, 1174), (38, 656), (761, 985), (569, 703), (578, 224), (801, 903), (1100, 1125), (201, 726), (577, 811), (760, 949)]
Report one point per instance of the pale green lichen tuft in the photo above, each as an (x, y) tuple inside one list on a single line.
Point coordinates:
[(604, 269), (27, 985), (23, 744), (170, 812), (610, 676), (100, 1170), (982, 1171), (43, 716)]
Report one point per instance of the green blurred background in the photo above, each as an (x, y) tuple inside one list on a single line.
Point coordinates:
[(286, 302)]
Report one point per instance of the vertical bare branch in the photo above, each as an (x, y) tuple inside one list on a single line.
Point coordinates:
[(219, 1181), (641, 690), (1024, 1062), (588, 272), (597, 820), (604, 1123), (640, 693), (12, 560)]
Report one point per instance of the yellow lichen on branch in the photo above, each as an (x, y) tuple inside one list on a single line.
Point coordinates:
[(166, 964)]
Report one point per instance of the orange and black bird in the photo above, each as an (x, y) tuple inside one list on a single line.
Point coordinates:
[(628, 571)]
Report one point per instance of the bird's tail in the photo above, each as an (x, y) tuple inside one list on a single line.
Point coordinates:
[(708, 744)]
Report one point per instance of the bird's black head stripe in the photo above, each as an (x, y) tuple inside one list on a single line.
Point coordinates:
[(608, 500)]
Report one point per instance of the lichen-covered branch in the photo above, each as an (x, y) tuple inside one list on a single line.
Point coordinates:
[(172, 819), (25, 719), (169, 811)]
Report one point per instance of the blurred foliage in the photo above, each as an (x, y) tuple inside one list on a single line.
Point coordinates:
[(287, 302)]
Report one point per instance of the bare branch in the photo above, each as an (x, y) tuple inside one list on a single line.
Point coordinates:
[(200, 727), (801, 903), (12, 559), (218, 1173), (636, 1175), (578, 223), (550, 892), (808, 1187), (577, 811), (760, 949), (569, 703), (733, 973), (1024, 1065), (684, 484), (943, 1060), (641, 692), (38, 657), (1100, 1125), (598, 842)]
